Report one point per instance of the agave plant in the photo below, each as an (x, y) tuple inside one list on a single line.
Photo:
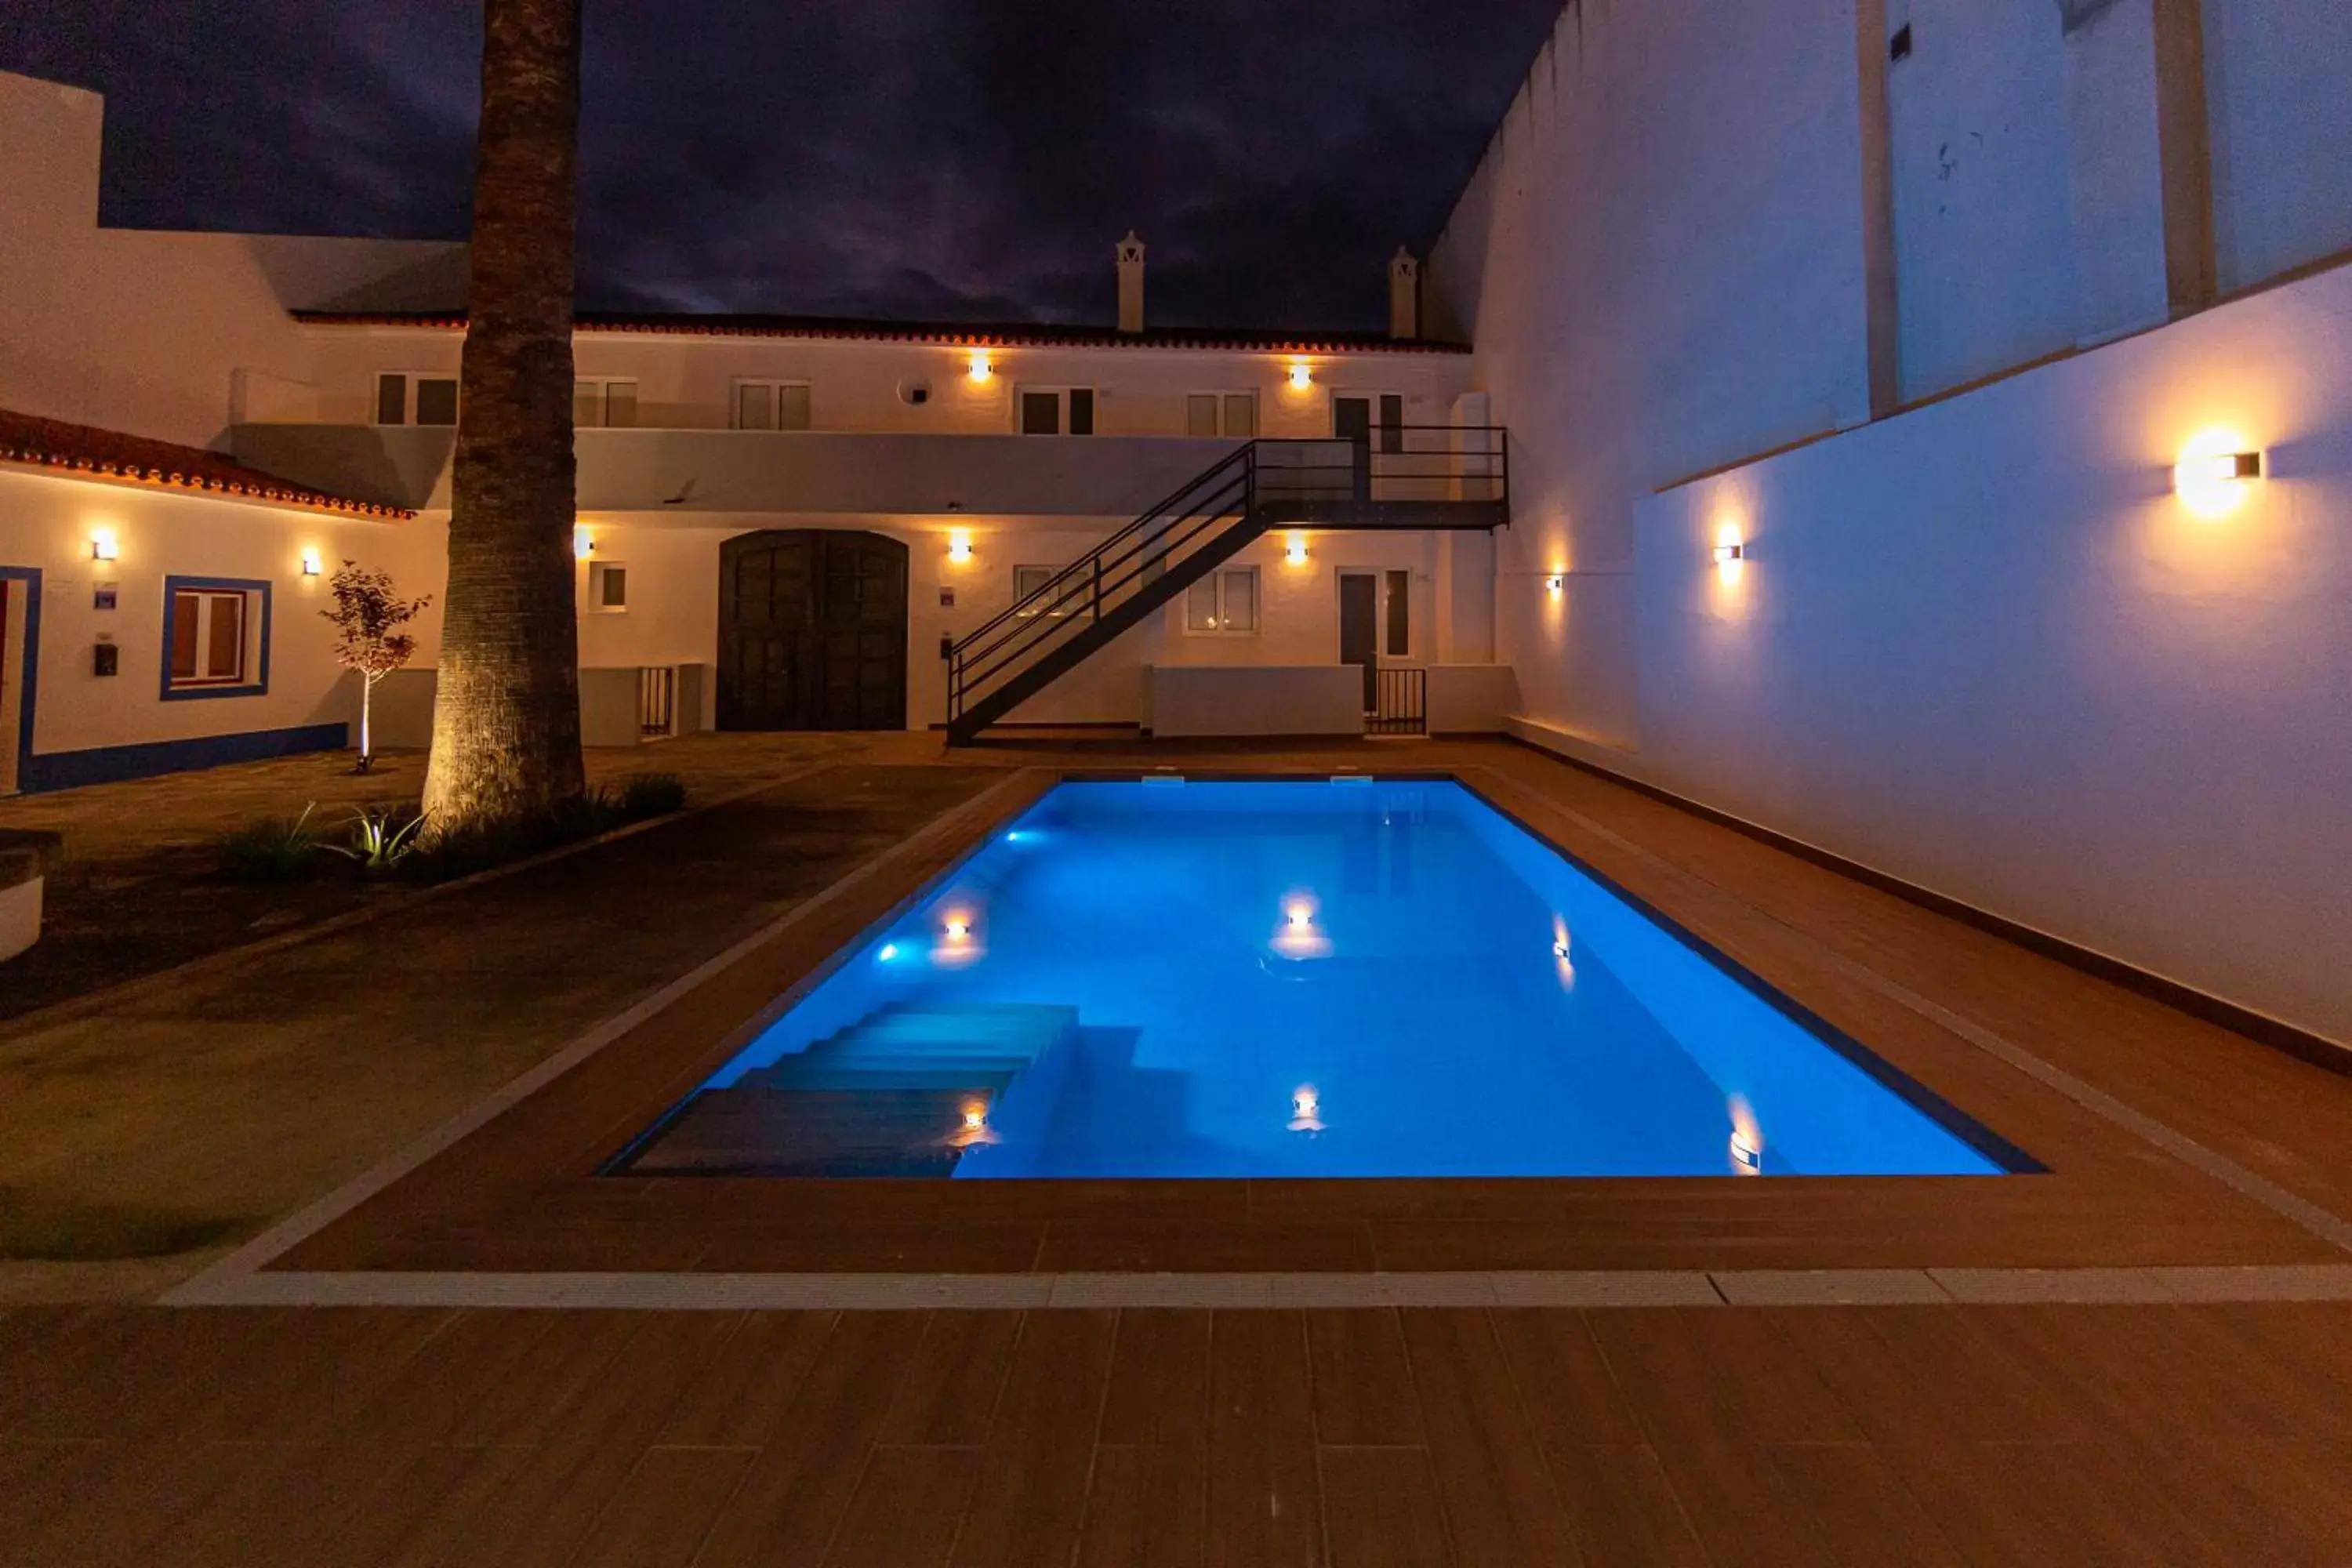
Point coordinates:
[(380, 839)]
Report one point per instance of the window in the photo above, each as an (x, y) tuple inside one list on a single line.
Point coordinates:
[(215, 637), (608, 587), (1230, 413), (772, 405), (605, 404), (1351, 417), (1071, 600), (1222, 602), (402, 398), (1056, 410)]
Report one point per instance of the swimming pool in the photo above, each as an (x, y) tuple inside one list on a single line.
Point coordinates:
[(1349, 978)]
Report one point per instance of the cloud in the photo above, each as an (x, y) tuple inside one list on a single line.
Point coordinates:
[(961, 159)]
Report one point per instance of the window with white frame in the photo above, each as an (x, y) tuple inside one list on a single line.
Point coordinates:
[(1028, 580), (1223, 604), (605, 402), (772, 405), (404, 397), (608, 587), (1229, 414), (213, 633), (1056, 410)]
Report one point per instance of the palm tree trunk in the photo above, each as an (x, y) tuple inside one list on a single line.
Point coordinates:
[(506, 716)]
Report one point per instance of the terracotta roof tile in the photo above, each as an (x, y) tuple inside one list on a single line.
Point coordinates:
[(84, 450), (948, 334)]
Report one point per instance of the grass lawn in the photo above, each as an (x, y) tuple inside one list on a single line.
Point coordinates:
[(145, 1138)]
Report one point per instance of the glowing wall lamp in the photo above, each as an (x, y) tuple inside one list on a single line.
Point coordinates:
[(979, 367), (1296, 553), (1725, 554), (1555, 585), (1302, 376), (103, 545), (960, 546), (583, 544), (312, 564), (2215, 474)]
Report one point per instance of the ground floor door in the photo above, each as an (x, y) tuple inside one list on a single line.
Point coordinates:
[(1359, 628), (15, 622), (812, 631)]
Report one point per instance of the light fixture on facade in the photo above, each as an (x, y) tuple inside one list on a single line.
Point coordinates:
[(960, 546), (312, 564), (1296, 551), (2215, 473), (1306, 1109), (1730, 552), (584, 544), (979, 367), (1554, 583), (1302, 376), (1747, 1139), (103, 545), (959, 928)]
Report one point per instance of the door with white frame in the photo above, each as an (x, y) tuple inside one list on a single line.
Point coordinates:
[(17, 586)]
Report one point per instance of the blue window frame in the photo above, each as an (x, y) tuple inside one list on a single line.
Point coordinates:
[(215, 638), (28, 673)]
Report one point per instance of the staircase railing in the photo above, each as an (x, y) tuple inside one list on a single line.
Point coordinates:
[(1338, 481)]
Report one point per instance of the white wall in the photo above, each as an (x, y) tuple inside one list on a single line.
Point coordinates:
[(1984, 647), (2274, 80), (148, 333), (45, 522)]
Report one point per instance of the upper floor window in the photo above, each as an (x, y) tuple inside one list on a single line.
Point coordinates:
[(608, 587), (605, 402), (772, 405), (215, 637), (1233, 414), (1057, 410), (404, 398), (1355, 416), (1068, 600), (1224, 601)]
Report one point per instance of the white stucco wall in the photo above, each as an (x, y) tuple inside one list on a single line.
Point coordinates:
[(2274, 79), (153, 333), (47, 523), (1984, 647)]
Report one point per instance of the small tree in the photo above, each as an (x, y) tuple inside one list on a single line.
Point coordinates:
[(368, 640)]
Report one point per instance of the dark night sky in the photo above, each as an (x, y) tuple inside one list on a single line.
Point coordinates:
[(949, 159)]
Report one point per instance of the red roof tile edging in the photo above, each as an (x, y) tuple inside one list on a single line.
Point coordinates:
[(85, 450)]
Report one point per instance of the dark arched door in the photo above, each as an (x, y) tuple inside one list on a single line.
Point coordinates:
[(812, 631)]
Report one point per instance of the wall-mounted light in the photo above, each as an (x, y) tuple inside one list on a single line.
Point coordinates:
[(1302, 376), (979, 367), (1296, 553), (583, 544), (1299, 916), (1747, 1139), (1556, 584), (103, 545), (2215, 473), (975, 1116), (889, 950), (1306, 1109), (312, 564), (959, 927), (1725, 554), (960, 546)]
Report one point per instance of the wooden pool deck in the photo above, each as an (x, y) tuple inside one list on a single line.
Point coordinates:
[(1999, 1414)]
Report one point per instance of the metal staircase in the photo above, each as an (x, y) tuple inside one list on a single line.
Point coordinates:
[(1400, 478)]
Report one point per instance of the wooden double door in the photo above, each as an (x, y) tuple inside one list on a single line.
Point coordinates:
[(812, 631)]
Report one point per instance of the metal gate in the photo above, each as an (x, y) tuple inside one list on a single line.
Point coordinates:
[(1401, 703), (657, 699)]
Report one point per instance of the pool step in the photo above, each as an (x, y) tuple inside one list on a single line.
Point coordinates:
[(887, 1097)]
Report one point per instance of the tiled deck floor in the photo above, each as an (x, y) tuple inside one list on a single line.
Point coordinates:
[(1737, 1436), (2042, 1433)]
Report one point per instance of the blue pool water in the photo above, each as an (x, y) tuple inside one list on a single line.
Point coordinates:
[(1354, 978)]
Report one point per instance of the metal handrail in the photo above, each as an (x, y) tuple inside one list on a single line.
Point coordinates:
[(1260, 469)]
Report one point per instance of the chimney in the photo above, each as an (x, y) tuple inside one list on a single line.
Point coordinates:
[(1404, 295), (1131, 284)]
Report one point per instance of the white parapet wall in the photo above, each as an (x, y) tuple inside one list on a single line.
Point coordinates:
[(1254, 699), (1471, 698), (20, 901)]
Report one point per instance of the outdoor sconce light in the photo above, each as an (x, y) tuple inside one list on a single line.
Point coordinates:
[(311, 564), (1301, 376), (979, 367), (975, 1117), (1296, 552), (103, 545), (1554, 584), (2215, 474), (2219, 468), (1724, 554), (1559, 948), (959, 547), (583, 546), (1749, 1156), (959, 927), (1299, 917)]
